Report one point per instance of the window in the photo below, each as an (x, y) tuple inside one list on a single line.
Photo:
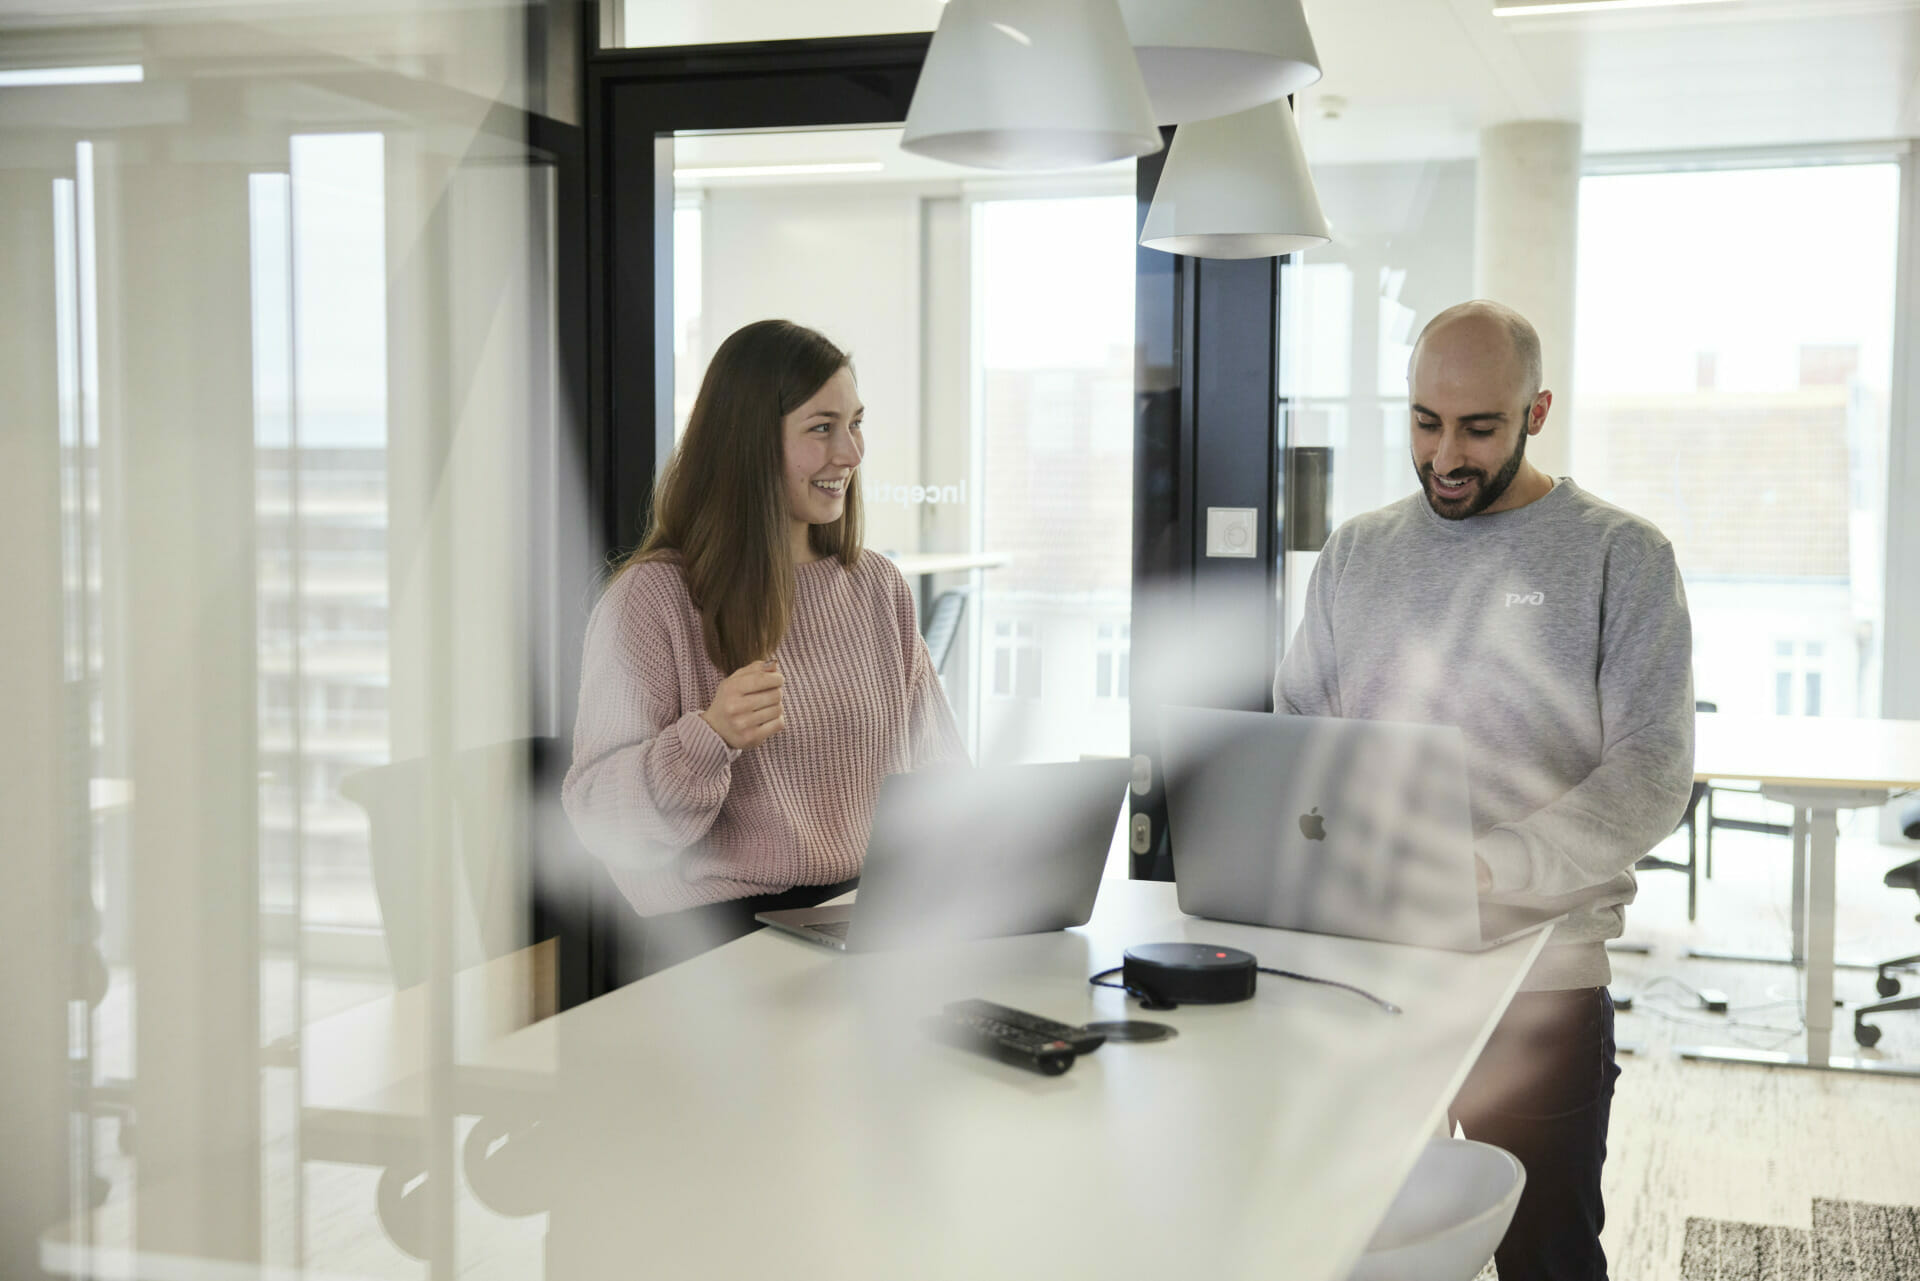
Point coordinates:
[(689, 341), (1797, 671), (1053, 401), (1052, 372), (321, 465), (1016, 660), (1745, 412), (1112, 642), (1110, 404), (1350, 311)]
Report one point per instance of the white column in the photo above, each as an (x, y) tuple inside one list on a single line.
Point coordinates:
[(177, 391), (35, 911), (1900, 662), (1526, 221)]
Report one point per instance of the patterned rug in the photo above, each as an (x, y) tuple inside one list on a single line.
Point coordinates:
[(1849, 1241)]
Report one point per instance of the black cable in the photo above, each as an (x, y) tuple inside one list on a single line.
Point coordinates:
[(1388, 1006), (1147, 999), (1735, 1028), (1668, 979), (1153, 1002)]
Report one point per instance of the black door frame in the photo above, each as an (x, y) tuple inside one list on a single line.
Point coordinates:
[(1209, 432), (643, 94), (1207, 428), (633, 98)]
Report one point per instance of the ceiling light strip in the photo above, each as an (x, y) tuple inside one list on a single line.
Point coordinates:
[(26, 77), (1589, 6), (780, 171)]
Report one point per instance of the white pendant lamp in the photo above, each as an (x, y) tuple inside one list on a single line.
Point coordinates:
[(1206, 58), (1030, 84), (1236, 187)]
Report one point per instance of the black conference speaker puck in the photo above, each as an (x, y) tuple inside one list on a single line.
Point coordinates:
[(1135, 1030), (1190, 973)]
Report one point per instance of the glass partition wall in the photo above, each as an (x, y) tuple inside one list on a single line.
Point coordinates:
[(1402, 252), (288, 391), (295, 343)]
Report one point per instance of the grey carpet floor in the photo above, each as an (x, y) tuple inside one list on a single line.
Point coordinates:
[(1717, 1250), (1854, 1241), (1849, 1241), (1711, 1167)]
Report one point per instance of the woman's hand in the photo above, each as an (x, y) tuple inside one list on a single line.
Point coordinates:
[(746, 709)]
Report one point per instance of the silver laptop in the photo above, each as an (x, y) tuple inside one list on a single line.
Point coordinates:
[(961, 853), (1351, 827)]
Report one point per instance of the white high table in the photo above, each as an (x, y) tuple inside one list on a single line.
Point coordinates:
[(774, 1109), (922, 566), (1819, 766)]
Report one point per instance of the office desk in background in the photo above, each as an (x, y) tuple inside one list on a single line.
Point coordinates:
[(920, 567), (773, 1109), (1818, 765)]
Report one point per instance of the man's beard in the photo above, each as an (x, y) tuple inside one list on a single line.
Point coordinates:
[(1485, 492)]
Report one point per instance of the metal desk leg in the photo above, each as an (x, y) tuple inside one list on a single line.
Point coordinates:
[(1797, 882), (1815, 816), (1823, 831), (1800, 884), (1802, 822)]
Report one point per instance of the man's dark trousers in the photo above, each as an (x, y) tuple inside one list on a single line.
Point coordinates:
[(1543, 1089)]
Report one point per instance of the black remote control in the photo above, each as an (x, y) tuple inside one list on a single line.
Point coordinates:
[(1003, 1041), (1082, 1041)]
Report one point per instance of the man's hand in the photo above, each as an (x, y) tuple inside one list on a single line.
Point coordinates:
[(746, 709), (1482, 875)]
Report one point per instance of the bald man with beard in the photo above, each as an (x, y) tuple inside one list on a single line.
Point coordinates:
[(1551, 628)]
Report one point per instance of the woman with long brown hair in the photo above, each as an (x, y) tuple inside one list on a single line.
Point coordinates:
[(750, 674)]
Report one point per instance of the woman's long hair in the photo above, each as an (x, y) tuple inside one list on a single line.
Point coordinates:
[(720, 504)]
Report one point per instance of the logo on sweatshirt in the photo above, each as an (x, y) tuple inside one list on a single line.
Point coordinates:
[(1526, 598)]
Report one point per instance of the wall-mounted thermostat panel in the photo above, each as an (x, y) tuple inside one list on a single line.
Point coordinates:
[(1230, 531)]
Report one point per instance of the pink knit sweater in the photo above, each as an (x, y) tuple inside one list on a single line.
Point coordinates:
[(681, 818)]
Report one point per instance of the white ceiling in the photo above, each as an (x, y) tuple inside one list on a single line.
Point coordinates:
[(1419, 78), (1422, 77)]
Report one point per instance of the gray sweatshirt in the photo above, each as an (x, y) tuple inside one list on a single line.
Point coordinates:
[(1556, 637)]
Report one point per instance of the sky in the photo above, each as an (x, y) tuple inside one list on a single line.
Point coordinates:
[(320, 270)]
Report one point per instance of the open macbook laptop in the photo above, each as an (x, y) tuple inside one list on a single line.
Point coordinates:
[(960, 853), (1351, 827)]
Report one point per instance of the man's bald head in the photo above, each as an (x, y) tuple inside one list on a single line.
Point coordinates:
[(1476, 397), (1485, 336)]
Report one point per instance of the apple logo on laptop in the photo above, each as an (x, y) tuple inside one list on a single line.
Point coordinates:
[(1313, 826)]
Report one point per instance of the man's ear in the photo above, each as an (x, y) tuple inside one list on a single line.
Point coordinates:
[(1537, 416)]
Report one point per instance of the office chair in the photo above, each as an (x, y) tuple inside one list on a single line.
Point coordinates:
[(1701, 822), (1651, 864), (1715, 823), (943, 624), (1904, 877), (526, 880), (1690, 821)]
